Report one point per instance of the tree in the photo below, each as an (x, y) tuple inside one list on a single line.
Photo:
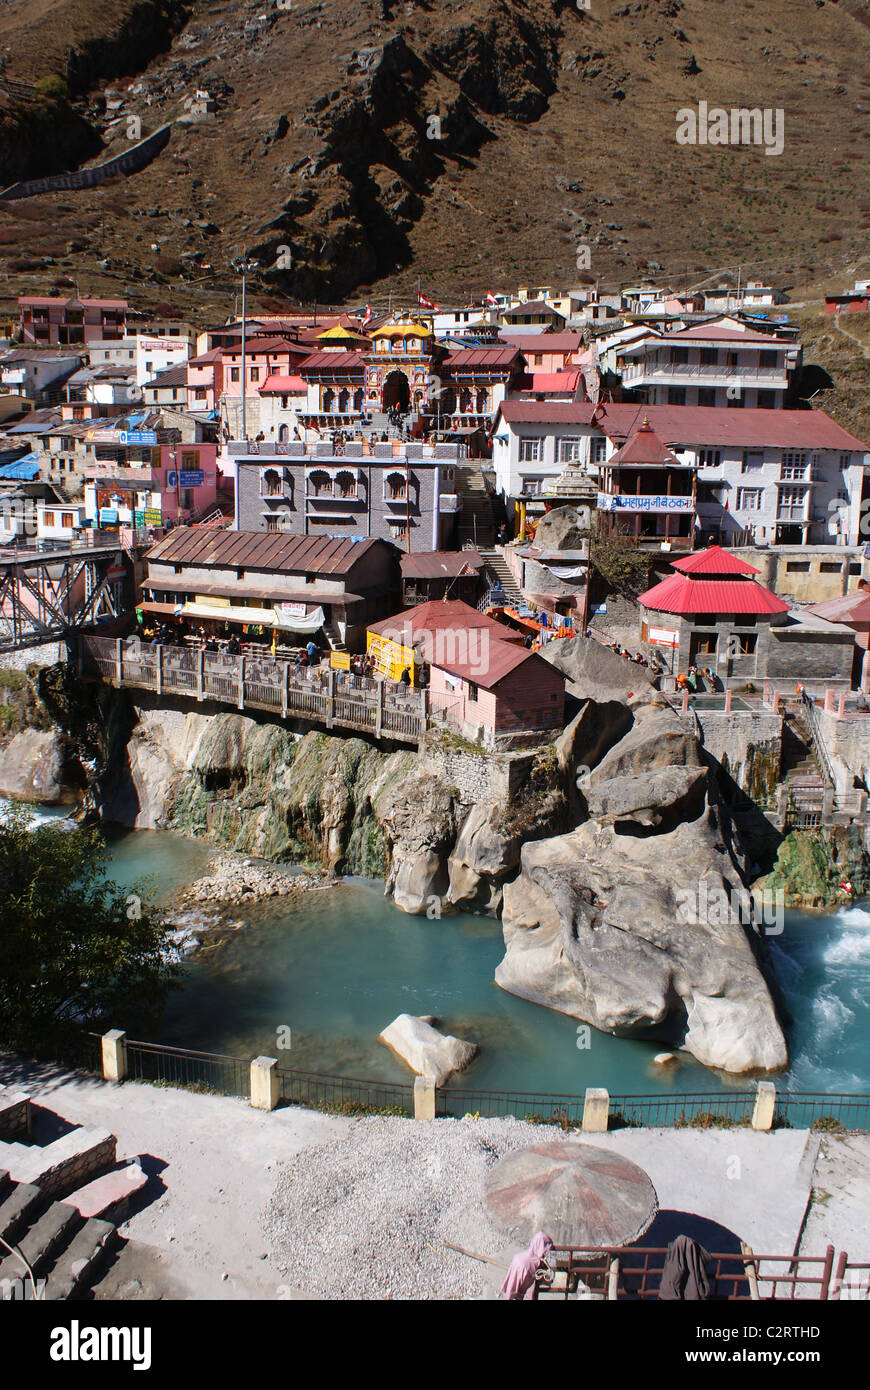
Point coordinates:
[(78, 953)]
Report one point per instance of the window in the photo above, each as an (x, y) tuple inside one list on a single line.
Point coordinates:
[(742, 643), (704, 643), (709, 458), (709, 357), (706, 395), (199, 393), (767, 400), (797, 567), (234, 373), (473, 691), (530, 487), (255, 374), (749, 499), (793, 467), (530, 450), (676, 395), (680, 355), (569, 450), (48, 518), (768, 359), (830, 567), (753, 460), (598, 450), (271, 523)]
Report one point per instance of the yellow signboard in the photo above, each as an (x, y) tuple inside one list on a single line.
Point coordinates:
[(389, 658), (339, 661), (212, 601)]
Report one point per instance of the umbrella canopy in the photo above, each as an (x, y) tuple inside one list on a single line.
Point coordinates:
[(578, 1194)]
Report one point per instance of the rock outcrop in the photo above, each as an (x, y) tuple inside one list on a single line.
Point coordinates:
[(426, 1051), (609, 923), (31, 767)]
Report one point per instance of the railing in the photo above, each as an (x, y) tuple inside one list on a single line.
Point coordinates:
[(345, 1094), (325, 697), (808, 710), (176, 1066), (703, 370), (635, 1271)]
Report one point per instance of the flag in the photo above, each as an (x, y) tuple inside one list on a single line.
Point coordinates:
[(370, 313), (491, 301), (427, 303)]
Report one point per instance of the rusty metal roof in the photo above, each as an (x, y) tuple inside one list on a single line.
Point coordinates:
[(259, 550)]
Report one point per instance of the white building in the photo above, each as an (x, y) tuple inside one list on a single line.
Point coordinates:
[(709, 365), (155, 355), (59, 521), (769, 477)]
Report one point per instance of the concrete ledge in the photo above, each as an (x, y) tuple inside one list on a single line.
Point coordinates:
[(65, 1164), (110, 1196)]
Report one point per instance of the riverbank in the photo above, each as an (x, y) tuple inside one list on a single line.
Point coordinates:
[(300, 1204)]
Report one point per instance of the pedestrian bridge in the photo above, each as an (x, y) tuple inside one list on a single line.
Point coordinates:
[(334, 699)]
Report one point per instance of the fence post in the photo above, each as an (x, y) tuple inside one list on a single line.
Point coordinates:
[(160, 668), (285, 690), (776, 702), (119, 660), (241, 700), (424, 1098), (114, 1055), (379, 714), (596, 1110), (200, 674), (829, 702), (728, 697), (765, 1104), (841, 705), (330, 706), (424, 709), (265, 1087)]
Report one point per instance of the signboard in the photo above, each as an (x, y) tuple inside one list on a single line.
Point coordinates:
[(339, 661), (300, 609), (664, 636), (191, 478), (153, 516), (210, 599), (625, 502), (115, 572), (389, 658), (145, 438)]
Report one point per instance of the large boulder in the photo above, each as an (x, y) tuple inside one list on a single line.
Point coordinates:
[(426, 1051), (651, 798), (563, 528), (594, 672), (416, 812), (597, 926), (31, 766)]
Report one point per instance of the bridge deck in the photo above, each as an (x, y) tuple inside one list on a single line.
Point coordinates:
[(335, 699)]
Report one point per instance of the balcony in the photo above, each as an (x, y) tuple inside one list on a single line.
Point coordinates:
[(685, 372)]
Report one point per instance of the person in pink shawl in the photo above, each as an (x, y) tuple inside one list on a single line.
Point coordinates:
[(520, 1281)]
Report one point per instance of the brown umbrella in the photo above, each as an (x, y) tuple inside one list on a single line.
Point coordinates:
[(578, 1194)]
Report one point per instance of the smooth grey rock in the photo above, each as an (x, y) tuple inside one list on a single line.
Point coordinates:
[(31, 766), (426, 1051), (649, 798)]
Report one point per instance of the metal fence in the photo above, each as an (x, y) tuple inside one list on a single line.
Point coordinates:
[(345, 1094), (634, 1273), (200, 1071)]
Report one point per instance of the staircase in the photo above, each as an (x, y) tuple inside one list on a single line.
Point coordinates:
[(802, 776), (65, 1251), (333, 636), (476, 520), (496, 561)]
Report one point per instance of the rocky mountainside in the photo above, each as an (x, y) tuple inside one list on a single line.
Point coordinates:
[(470, 144)]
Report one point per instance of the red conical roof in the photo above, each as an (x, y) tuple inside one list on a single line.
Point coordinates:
[(713, 560)]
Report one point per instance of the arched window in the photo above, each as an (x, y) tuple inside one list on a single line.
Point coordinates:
[(396, 486), (328, 398), (481, 401), (358, 398), (283, 434), (320, 483), (345, 484), (342, 401), (271, 483)]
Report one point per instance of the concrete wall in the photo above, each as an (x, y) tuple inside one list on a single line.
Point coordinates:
[(847, 741), (748, 746)]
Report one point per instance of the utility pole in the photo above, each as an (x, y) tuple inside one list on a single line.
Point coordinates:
[(244, 265)]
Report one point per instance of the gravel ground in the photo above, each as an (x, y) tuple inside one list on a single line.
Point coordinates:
[(365, 1216)]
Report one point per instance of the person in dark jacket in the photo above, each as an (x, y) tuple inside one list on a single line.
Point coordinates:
[(684, 1276)]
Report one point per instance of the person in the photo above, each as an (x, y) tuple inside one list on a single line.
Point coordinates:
[(302, 658), (311, 649), (405, 677), (210, 644), (861, 703), (423, 677), (693, 677), (520, 1282), (233, 647)]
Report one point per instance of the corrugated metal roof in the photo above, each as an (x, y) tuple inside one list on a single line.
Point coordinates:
[(488, 661), (331, 359), (713, 560), (679, 594), (482, 357), (696, 424), (440, 564), (261, 551), (849, 608)]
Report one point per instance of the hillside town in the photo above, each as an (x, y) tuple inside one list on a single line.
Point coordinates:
[(552, 607)]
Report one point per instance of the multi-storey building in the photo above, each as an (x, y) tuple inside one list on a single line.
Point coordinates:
[(58, 322), (773, 477), (709, 365), (405, 493)]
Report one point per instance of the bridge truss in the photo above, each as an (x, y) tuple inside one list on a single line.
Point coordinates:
[(45, 595)]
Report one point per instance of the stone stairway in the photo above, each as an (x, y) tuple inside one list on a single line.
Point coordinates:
[(334, 637), (496, 561), (803, 778), (476, 520), (65, 1251)]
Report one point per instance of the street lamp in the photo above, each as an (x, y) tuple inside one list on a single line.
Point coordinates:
[(243, 265)]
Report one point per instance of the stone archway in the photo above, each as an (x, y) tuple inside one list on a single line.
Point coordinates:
[(397, 393)]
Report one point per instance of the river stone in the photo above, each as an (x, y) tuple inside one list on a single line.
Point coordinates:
[(595, 672), (593, 927), (419, 883), (426, 1051), (31, 766)]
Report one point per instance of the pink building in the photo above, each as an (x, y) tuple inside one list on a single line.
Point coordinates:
[(59, 322), (482, 678)]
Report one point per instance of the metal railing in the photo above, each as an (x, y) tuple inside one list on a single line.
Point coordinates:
[(199, 1071), (634, 1272), (345, 1094)]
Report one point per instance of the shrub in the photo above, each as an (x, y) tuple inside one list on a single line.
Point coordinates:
[(52, 88)]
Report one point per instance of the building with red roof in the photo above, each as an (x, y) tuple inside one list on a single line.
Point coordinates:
[(52, 321), (710, 365), (711, 614), (483, 680)]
